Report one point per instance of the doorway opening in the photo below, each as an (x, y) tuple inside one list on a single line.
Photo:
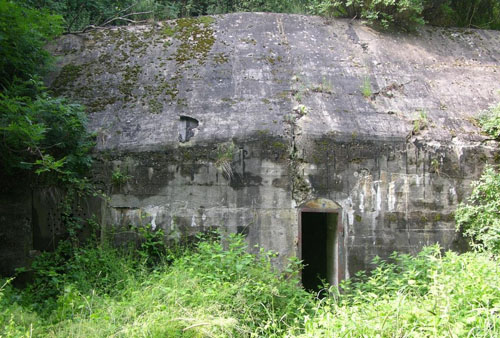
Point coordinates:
[(319, 244)]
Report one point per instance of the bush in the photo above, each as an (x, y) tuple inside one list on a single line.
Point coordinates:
[(404, 14), (490, 121), (428, 295), (23, 34), (218, 289), (42, 132), (479, 219), (89, 268), (215, 288), (37, 131)]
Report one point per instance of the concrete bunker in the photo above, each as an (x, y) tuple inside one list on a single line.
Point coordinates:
[(398, 185), (321, 243)]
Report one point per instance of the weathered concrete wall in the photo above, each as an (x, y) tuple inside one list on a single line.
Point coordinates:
[(394, 195), (31, 222), (237, 120), (15, 229)]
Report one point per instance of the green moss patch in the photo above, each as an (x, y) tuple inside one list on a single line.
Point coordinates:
[(69, 73)]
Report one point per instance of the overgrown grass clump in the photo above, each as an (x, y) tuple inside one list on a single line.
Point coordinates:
[(214, 289), (217, 289), (430, 295), (489, 121)]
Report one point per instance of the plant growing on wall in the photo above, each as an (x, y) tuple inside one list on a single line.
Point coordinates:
[(224, 156), (420, 123), (479, 217), (366, 87), (489, 121), (119, 178), (324, 87)]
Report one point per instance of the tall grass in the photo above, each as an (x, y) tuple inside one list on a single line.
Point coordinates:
[(217, 289), (214, 289), (425, 296)]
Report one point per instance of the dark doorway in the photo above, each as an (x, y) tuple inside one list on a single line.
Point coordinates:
[(319, 244)]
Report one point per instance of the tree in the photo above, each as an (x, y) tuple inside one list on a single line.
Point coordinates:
[(38, 132), (479, 218)]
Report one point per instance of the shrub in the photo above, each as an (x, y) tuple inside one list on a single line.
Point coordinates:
[(489, 121), (404, 14), (366, 87), (38, 132), (427, 295), (24, 32), (218, 289), (215, 288), (119, 178), (91, 267), (479, 219)]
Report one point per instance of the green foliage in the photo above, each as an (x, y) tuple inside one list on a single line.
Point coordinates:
[(15, 321), (218, 289), (490, 121), (88, 268), (79, 14), (402, 14), (214, 289), (423, 296), (405, 14), (472, 13), (402, 273), (42, 132), (366, 87), (245, 284), (224, 157), (153, 249), (420, 123), (409, 14), (23, 34), (119, 178), (38, 132), (479, 219)]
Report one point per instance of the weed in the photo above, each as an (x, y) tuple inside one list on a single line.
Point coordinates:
[(301, 109), (435, 166), (420, 123), (224, 157), (366, 87), (298, 96), (450, 295), (118, 178), (478, 220), (489, 121), (324, 87), (152, 247), (216, 288)]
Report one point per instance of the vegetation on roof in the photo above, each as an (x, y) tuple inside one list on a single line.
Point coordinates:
[(83, 14)]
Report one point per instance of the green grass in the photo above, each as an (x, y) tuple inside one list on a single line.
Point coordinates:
[(198, 292), (217, 289), (425, 296)]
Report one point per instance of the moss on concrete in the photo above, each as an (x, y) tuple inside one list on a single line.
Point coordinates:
[(68, 75), (129, 80)]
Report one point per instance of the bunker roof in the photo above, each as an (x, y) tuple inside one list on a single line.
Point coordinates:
[(237, 76)]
